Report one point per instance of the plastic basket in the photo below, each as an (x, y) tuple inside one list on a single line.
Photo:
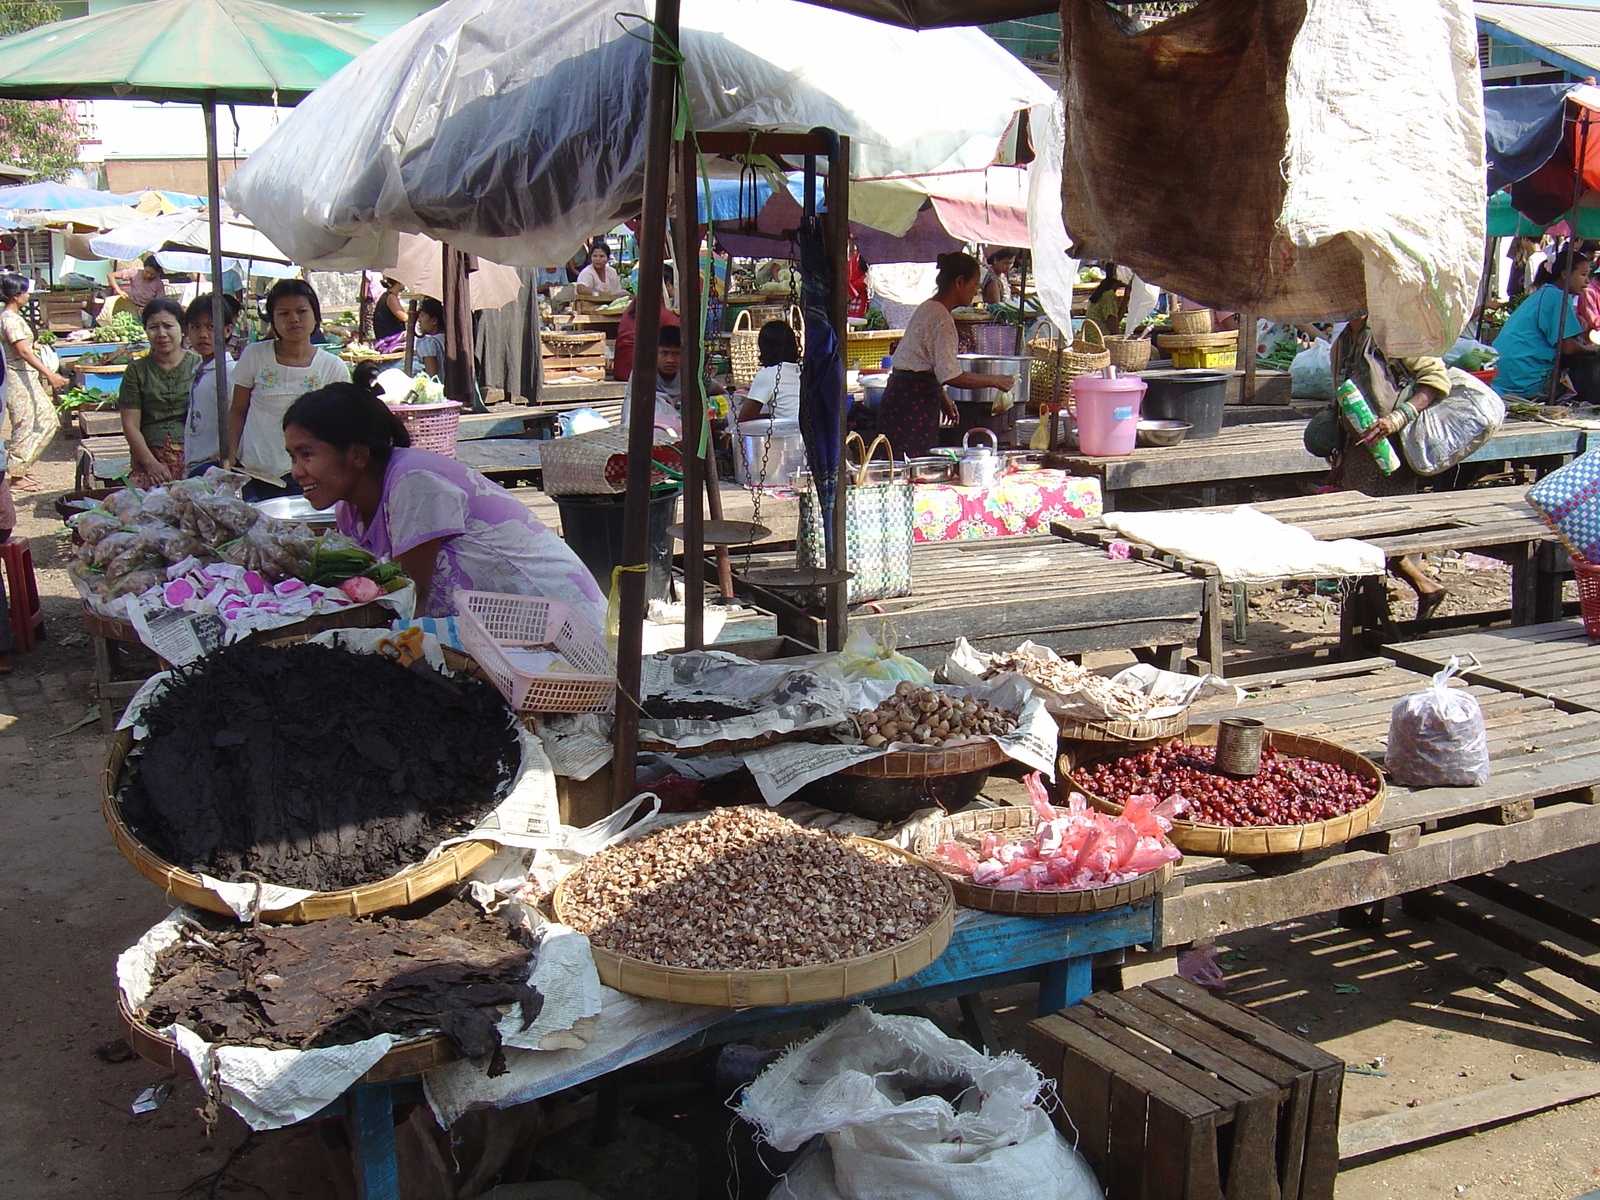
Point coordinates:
[(491, 623), (1588, 577), (1205, 356), (431, 426), (865, 349)]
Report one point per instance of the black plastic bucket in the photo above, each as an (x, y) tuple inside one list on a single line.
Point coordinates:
[(1196, 396), (592, 526)]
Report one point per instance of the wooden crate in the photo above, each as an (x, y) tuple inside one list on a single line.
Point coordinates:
[(61, 312), (1173, 1094), (569, 353)]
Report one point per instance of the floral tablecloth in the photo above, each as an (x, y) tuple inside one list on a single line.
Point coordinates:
[(1021, 503)]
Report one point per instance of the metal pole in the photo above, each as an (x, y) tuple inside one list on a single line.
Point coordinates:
[(837, 227), (219, 324), (1572, 245), (692, 398), (642, 399)]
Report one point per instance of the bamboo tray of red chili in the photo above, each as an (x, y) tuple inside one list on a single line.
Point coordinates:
[(1336, 795)]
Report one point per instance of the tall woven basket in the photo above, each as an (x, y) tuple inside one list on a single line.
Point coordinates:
[(743, 349), (1058, 360), (1190, 321)]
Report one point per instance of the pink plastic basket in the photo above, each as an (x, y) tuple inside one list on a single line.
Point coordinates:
[(431, 426), (490, 624)]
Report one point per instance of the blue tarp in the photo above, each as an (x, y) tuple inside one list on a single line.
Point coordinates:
[(1522, 128), (54, 196)]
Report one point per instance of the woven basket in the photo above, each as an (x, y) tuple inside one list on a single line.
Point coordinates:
[(1128, 354), (742, 350), (793, 985), (1587, 576), (865, 349), (596, 463), (1191, 320), (410, 1057), (919, 763), (1125, 731), (431, 426), (1057, 361), (1021, 821), (993, 338), (1228, 841)]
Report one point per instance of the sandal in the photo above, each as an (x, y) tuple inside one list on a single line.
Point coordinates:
[(26, 483), (1426, 604)]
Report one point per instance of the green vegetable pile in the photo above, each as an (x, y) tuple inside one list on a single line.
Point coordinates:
[(334, 560), (1281, 358), (1477, 360), (75, 398), (123, 327), (876, 319)]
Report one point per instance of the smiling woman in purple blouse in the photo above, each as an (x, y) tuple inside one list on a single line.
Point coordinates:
[(448, 526)]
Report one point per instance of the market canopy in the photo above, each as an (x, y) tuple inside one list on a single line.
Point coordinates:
[(187, 229), (235, 51), (935, 14), (530, 139), (1545, 147), (54, 196)]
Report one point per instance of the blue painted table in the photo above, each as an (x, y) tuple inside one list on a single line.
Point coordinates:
[(986, 951)]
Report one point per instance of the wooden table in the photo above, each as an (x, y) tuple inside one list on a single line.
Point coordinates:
[(1495, 521), (1556, 660), (1273, 449), (1004, 591), (1541, 799)]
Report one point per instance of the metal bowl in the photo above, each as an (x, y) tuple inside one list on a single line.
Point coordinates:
[(933, 469), (1013, 461), (1163, 433)]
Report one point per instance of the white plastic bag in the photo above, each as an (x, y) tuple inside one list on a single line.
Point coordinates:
[(873, 1088), (1311, 373), (1453, 427), (866, 656), (1437, 738)]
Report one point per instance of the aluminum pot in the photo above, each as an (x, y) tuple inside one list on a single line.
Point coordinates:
[(1015, 365), (933, 469)]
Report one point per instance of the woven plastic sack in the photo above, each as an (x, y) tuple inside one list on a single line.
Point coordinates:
[(1437, 738), (1450, 429), (867, 1085), (1568, 500), (596, 463)]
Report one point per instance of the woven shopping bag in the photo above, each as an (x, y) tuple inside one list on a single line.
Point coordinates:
[(879, 521), (1568, 500)]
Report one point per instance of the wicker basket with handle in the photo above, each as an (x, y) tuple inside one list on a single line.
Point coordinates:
[(1058, 360), (1128, 354)]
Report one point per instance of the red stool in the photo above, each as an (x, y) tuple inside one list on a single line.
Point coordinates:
[(22, 590)]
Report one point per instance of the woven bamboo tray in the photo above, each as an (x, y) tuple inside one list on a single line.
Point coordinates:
[(1195, 341), (1124, 731), (1191, 321), (911, 764), (407, 886), (1024, 904), (792, 985), (1226, 841), (410, 1057)]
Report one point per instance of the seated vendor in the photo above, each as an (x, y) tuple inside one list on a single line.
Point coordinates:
[(1544, 335), (427, 352), (775, 391), (669, 381), (447, 525)]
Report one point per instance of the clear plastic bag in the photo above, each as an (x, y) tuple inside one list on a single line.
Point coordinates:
[(1311, 373), (1437, 737), (1451, 428)]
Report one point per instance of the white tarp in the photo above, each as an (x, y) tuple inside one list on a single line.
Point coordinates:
[(515, 131)]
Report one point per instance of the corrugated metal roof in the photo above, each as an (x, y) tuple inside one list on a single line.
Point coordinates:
[(1571, 36)]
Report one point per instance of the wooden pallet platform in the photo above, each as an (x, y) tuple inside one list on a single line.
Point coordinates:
[(1495, 521), (1541, 799), (1556, 660), (1001, 591), (1275, 449)]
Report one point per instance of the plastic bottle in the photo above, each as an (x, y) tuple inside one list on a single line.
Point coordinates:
[(1353, 405), (888, 363)]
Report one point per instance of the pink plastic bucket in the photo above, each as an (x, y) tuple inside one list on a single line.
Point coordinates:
[(1108, 413)]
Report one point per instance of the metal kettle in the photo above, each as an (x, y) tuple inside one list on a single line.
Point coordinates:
[(979, 465)]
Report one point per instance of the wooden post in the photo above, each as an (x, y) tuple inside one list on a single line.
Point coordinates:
[(1247, 353), (692, 400), (837, 228), (219, 321), (642, 398)]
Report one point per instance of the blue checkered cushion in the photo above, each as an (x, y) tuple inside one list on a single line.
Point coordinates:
[(1568, 500)]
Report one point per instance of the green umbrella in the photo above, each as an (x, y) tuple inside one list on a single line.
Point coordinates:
[(206, 51)]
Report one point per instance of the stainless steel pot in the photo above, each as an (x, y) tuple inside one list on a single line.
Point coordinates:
[(934, 469), (1014, 365)]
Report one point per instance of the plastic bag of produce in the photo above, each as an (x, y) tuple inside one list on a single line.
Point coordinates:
[(1471, 355), (903, 1110), (1311, 373), (866, 656), (1450, 429), (1437, 738)]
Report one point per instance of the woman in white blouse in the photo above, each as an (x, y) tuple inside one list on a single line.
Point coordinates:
[(925, 363), (599, 279)]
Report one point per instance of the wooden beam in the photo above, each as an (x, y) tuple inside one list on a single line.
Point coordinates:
[(762, 143), (1391, 1131), (1491, 927)]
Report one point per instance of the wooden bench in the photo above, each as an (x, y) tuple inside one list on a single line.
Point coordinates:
[(1540, 800), (1267, 450), (1557, 660), (1000, 592)]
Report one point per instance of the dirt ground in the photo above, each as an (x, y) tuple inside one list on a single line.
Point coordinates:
[(1438, 1013)]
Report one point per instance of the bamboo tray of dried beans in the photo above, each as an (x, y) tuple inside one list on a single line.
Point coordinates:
[(745, 908), (1310, 793)]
